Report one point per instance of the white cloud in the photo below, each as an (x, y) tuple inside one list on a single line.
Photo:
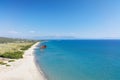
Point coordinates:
[(72, 34), (13, 32), (32, 31)]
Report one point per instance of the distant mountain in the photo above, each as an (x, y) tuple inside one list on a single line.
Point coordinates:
[(54, 37)]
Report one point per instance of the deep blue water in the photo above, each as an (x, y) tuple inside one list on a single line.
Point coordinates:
[(80, 59)]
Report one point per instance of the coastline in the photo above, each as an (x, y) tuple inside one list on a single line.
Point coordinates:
[(38, 67), (23, 69), (40, 70)]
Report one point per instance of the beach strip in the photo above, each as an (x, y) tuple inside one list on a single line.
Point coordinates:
[(23, 69)]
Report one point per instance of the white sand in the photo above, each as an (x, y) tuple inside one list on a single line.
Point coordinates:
[(22, 69)]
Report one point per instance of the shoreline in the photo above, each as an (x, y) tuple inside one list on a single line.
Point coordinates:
[(23, 69), (40, 70), (38, 67)]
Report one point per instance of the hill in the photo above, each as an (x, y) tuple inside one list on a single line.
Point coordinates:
[(12, 40)]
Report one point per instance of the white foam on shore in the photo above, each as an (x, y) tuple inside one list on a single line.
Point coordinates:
[(22, 69)]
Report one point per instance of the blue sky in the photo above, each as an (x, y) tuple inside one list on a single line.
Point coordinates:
[(85, 19)]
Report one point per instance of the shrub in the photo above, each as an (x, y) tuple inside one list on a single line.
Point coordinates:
[(11, 60), (2, 63), (15, 55), (7, 65), (26, 47)]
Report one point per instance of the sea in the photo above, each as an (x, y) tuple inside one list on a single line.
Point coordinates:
[(80, 59)]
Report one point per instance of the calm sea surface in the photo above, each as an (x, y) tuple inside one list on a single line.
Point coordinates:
[(80, 59)]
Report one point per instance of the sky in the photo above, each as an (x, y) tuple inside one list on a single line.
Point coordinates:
[(84, 19)]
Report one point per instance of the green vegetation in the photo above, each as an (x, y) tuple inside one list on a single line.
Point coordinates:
[(12, 40), (11, 60), (14, 48), (26, 47), (2, 63), (15, 55), (7, 65), (11, 49)]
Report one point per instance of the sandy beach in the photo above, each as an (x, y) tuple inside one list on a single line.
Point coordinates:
[(22, 69)]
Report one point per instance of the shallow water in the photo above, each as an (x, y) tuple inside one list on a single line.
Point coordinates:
[(80, 59)]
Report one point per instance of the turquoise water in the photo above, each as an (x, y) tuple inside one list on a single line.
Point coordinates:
[(80, 59)]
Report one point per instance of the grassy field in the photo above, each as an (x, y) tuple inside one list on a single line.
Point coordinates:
[(14, 50)]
